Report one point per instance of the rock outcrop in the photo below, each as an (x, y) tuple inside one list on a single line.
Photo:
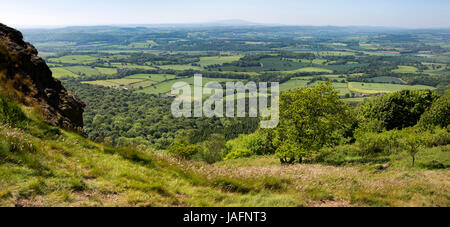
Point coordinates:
[(26, 77)]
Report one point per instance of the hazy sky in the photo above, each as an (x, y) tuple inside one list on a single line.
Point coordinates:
[(394, 13)]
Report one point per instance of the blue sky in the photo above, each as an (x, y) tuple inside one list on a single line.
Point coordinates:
[(392, 13)]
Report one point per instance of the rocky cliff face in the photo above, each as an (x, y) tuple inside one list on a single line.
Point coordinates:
[(26, 77)]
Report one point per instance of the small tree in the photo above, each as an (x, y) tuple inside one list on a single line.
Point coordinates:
[(212, 148), (310, 118), (412, 145)]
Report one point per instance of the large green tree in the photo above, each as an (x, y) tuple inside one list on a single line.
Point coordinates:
[(310, 119), (397, 110), (438, 114)]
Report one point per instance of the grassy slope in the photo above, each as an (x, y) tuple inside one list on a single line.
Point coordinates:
[(45, 166)]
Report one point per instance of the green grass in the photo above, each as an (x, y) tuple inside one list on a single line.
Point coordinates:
[(308, 70), (217, 60), (153, 77), (267, 64), (405, 69), (165, 87), (302, 82), (141, 45), (83, 70), (132, 66), (106, 71), (77, 71), (341, 87), (60, 72), (46, 166), (118, 82), (374, 88), (74, 59), (386, 79), (292, 84), (427, 158), (180, 67), (332, 77), (138, 81)]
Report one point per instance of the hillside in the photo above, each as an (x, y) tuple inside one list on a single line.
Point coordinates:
[(26, 78), (46, 166)]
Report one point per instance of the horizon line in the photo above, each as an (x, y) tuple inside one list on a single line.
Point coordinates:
[(217, 24)]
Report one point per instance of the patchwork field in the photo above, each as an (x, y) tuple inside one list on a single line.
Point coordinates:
[(131, 66), (180, 67), (60, 72), (74, 59), (218, 60), (76, 71), (405, 69), (387, 79), (374, 88), (153, 77), (166, 86), (309, 69), (292, 84), (116, 83)]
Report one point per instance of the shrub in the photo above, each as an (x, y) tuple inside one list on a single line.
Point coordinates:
[(436, 137), (212, 149), (438, 114), (182, 148), (239, 153), (372, 143), (397, 110), (258, 143)]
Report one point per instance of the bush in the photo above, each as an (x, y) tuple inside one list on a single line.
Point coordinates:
[(258, 143), (239, 153), (397, 110), (438, 114), (182, 148), (379, 143), (212, 149), (436, 137)]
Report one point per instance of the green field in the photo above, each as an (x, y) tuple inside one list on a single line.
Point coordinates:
[(132, 66), (308, 70), (76, 71), (106, 71), (165, 87), (218, 60), (115, 83), (405, 69), (341, 87), (180, 67), (374, 88), (292, 84), (74, 59), (83, 70), (331, 76), (60, 72), (267, 64), (153, 77), (387, 79)]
